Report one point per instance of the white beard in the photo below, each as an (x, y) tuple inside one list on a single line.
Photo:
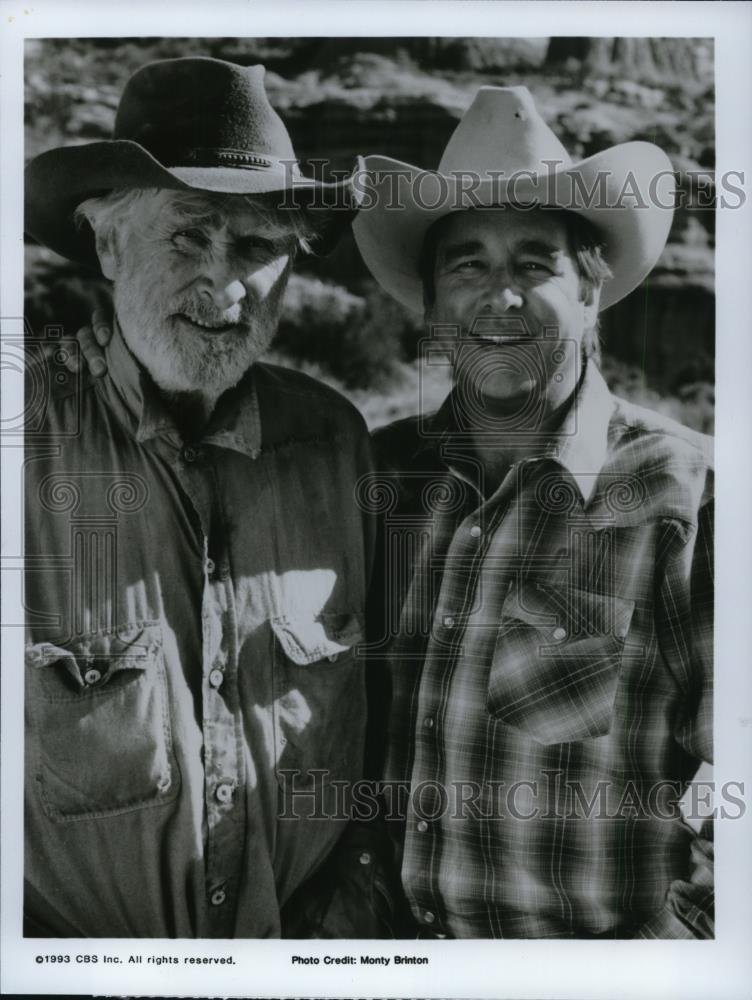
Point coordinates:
[(185, 360), (208, 363)]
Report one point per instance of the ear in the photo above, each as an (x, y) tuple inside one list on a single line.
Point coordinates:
[(591, 303), (106, 247)]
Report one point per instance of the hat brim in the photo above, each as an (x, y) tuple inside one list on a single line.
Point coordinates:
[(57, 181), (626, 192)]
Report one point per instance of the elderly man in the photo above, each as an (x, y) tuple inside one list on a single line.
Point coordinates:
[(549, 637), (196, 565)]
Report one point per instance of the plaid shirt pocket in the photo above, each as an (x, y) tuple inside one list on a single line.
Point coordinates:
[(556, 663)]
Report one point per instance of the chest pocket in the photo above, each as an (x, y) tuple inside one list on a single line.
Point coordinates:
[(98, 724), (557, 660), (319, 699)]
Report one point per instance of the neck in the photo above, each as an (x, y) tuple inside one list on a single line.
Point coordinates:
[(498, 452)]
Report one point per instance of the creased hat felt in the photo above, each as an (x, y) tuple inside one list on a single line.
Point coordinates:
[(503, 152), (193, 123)]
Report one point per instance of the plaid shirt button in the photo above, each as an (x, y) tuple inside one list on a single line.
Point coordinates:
[(422, 826), (560, 633), (449, 621), (429, 917), (475, 531), (428, 722)]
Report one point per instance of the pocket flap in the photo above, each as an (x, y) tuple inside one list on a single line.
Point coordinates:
[(308, 640), (579, 613), (94, 658), (557, 660)]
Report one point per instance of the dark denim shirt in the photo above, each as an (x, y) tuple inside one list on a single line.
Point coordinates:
[(193, 611)]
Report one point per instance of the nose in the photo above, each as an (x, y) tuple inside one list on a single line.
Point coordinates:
[(224, 297), (220, 283), (507, 298), (501, 293)]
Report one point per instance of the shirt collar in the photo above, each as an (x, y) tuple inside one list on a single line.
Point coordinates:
[(580, 444), (130, 391)]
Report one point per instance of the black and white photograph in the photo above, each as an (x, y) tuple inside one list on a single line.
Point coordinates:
[(361, 552)]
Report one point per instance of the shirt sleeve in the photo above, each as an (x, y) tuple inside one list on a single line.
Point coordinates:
[(685, 634)]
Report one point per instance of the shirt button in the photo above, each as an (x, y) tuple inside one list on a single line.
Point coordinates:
[(365, 858), (215, 678), (191, 454), (218, 897), (210, 567), (428, 722), (223, 792), (449, 621), (422, 826), (428, 916), (92, 676), (475, 531), (560, 633)]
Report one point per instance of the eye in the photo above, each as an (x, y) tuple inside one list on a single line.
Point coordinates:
[(256, 247), (468, 266), (191, 238), (535, 267)]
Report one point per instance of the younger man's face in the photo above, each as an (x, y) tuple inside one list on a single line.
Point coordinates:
[(508, 281)]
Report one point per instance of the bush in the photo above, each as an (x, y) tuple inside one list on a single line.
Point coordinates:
[(61, 293), (360, 341)]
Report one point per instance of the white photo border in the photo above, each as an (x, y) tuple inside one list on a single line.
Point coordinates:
[(583, 969)]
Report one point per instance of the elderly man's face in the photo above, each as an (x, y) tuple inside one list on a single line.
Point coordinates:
[(198, 283), (508, 280)]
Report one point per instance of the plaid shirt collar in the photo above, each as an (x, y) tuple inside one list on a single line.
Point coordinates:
[(131, 394), (580, 445)]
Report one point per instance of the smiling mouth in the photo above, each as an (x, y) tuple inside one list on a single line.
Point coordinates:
[(500, 339), (206, 326), (501, 331)]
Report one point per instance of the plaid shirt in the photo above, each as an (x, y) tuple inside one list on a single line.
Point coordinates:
[(551, 672)]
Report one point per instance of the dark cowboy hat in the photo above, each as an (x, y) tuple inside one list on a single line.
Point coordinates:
[(191, 123)]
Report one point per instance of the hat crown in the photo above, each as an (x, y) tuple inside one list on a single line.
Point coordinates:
[(502, 132), (182, 110)]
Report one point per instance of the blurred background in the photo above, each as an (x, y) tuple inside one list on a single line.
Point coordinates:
[(403, 97)]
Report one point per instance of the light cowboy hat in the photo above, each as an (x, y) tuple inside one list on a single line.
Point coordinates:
[(503, 152), (190, 123)]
